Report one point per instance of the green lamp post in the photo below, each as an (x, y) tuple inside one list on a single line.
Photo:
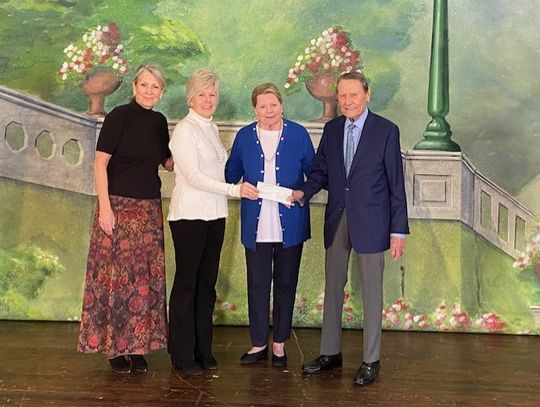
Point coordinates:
[(437, 135)]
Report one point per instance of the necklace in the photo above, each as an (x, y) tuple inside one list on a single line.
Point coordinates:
[(219, 150), (270, 158)]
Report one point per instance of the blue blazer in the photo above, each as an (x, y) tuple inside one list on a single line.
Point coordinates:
[(294, 158), (374, 193)]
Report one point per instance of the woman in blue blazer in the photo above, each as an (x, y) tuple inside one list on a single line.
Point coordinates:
[(279, 152)]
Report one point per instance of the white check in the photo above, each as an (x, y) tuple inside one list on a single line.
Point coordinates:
[(274, 193)]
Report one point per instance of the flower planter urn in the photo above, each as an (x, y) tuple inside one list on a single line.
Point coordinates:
[(323, 87), (96, 86)]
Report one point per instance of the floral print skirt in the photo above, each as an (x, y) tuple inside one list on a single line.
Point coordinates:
[(124, 301)]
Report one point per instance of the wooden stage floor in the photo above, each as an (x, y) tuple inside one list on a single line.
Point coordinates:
[(40, 367)]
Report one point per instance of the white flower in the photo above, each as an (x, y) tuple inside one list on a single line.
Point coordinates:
[(115, 66), (287, 85), (300, 57), (312, 42), (296, 80), (64, 77), (302, 67), (325, 33), (330, 30)]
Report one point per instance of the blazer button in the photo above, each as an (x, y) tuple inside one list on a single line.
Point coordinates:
[(347, 189)]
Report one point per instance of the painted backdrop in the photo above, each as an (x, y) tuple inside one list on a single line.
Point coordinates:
[(494, 93)]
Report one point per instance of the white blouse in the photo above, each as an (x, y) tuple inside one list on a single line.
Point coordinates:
[(269, 226), (199, 163)]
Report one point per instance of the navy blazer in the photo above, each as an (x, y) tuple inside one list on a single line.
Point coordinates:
[(374, 193)]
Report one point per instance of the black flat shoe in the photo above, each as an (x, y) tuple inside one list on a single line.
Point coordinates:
[(367, 373), (120, 364), (207, 361), (188, 367), (249, 358), (138, 363), (279, 361), (323, 362)]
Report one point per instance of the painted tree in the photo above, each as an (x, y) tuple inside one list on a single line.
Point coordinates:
[(37, 31)]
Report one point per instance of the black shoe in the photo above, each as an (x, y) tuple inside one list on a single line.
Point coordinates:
[(120, 364), (249, 358), (138, 363), (323, 362), (207, 361), (279, 361), (367, 373), (188, 367)]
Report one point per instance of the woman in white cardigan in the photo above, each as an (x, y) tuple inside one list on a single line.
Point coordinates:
[(197, 220)]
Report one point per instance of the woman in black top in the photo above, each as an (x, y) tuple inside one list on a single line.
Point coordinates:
[(124, 303)]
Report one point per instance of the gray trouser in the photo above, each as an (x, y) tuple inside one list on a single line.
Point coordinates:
[(370, 266)]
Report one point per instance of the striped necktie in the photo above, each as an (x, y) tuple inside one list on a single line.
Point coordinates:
[(349, 148)]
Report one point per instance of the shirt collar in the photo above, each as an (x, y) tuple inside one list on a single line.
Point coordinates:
[(197, 117), (359, 123)]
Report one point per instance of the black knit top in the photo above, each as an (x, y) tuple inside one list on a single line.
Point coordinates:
[(137, 139)]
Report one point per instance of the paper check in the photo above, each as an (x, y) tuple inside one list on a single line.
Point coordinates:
[(274, 192)]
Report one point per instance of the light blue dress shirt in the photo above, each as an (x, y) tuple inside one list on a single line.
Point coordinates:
[(357, 132)]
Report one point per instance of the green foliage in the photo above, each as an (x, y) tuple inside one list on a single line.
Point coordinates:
[(34, 34), (245, 42), (23, 272)]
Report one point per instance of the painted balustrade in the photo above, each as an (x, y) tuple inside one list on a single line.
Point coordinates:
[(52, 146)]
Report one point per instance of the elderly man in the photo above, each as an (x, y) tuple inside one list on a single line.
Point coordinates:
[(359, 162)]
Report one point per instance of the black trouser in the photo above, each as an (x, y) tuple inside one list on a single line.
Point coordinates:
[(197, 247), (267, 261)]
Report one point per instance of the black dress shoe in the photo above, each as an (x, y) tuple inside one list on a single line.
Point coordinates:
[(367, 373), (279, 361), (120, 364), (188, 367), (323, 362), (207, 361), (138, 363), (249, 358)]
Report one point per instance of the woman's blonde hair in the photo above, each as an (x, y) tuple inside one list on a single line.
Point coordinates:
[(265, 88), (154, 70), (200, 80)]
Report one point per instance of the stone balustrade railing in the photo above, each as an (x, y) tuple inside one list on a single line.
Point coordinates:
[(48, 145)]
